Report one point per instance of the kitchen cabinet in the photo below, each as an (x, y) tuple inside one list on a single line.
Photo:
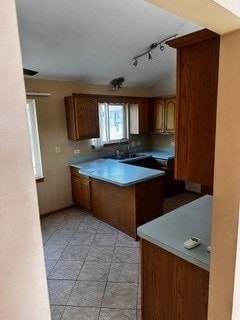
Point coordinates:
[(138, 115), (81, 189), (82, 117), (175, 283), (126, 208), (171, 186), (197, 79), (163, 115), (172, 288)]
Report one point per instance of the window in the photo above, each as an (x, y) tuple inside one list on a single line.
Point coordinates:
[(34, 138), (113, 122)]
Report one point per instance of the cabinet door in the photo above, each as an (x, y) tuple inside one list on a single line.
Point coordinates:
[(143, 115), (81, 189), (85, 194), (86, 117), (197, 79), (76, 189), (158, 115), (170, 115), (139, 117)]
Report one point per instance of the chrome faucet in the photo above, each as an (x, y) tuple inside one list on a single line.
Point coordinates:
[(120, 151)]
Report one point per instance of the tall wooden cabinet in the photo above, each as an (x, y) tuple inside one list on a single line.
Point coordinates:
[(82, 117), (163, 115), (197, 78)]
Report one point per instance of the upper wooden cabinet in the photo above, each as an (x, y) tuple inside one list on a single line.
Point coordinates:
[(197, 78), (139, 116), (163, 115), (82, 117)]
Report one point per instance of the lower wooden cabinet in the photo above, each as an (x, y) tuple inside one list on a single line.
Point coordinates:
[(126, 208), (81, 189), (172, 288)]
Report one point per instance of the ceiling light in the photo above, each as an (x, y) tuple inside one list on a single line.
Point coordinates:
[(152, 47), (117, 83)]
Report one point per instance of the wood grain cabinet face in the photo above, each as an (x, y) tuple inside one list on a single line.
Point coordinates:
[(81, 189), (172, 288), (169, 114), (139, 117), (163, 115), (197, 79), (82, 117)]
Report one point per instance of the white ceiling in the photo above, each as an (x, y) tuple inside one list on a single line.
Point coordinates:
[(94, 41)]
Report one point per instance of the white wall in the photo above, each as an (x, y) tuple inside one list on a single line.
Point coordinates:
[(23, 284)]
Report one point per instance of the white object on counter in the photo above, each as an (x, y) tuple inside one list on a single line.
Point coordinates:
[(171, 230)]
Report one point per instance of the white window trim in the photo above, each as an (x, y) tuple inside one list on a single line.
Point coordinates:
[(99, 142), (34, 138)]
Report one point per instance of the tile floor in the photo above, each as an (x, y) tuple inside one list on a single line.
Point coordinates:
[(93, 270)]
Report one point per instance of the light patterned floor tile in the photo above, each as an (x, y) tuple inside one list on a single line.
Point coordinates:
[(68, 270), (95, 271), (87, 294), (120, 295), (80, 313), (123, 272), (59, 291), (117, 314)]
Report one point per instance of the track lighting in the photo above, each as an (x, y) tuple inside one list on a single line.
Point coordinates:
[(149, 56), (135, 62), (117, 83), (152, 47)]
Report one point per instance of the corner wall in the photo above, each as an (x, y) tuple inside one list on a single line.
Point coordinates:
[(23, 283), (55, 192), (226, 181)]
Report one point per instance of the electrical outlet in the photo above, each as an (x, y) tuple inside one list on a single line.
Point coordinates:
[(76, 151), (139, 143), (173, 143), (57, 149), (133, 144)]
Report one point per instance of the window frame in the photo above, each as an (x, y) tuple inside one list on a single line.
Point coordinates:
[(32, 124), (125, 132)]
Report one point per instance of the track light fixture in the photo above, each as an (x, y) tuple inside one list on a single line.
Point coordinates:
[(135, 62), (117, 83), (149, 56), (152, 47)]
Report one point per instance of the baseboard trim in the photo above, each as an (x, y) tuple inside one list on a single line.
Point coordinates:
[(56, 211)]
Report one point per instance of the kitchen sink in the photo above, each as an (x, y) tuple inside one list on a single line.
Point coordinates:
[(126, 156)]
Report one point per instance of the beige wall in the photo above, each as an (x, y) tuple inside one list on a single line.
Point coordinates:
[(55, 192), (23, 288), (227, 180)]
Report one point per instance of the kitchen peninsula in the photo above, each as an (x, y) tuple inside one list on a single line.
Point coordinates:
[(175, 284), (120, 194)]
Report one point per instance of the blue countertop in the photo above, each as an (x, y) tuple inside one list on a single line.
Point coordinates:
[(115, 172), (171, 230)]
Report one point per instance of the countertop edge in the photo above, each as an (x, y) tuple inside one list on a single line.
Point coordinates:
[(177, 253), (89, 174)]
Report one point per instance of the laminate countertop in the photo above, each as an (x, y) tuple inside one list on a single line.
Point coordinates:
[(171, 230), (116, 172)]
